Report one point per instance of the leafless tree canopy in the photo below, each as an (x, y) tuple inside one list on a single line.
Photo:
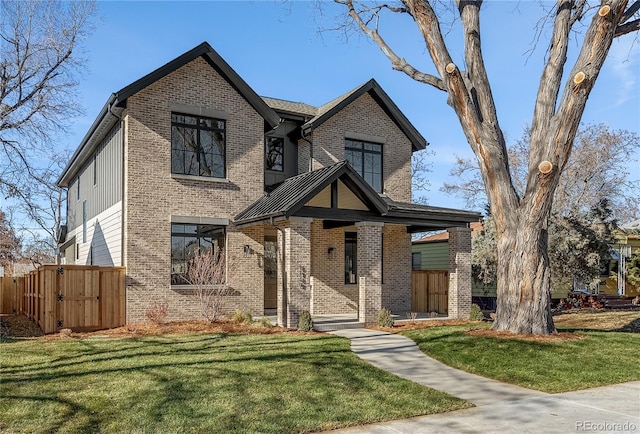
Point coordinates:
[(598, 169), (521, 216), (39, 66)]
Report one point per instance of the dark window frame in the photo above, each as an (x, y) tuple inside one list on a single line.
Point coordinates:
[(413, 264), (85, 217), (268, 163), (198, 126), (352, 145), (351, 251), (179, 230)]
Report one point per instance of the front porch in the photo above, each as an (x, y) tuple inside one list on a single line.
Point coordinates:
[(343, 250)]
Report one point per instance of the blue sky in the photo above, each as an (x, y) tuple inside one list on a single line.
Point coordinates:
[(278, 48)]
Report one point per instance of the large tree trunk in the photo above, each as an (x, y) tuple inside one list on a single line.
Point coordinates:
[(524, 300)]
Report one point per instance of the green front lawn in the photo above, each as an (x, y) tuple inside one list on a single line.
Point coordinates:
[(200, 383), (599, 358)]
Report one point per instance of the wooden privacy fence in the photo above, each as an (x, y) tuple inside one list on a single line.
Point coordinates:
[(10, 294), (75, 297), (430, 291)]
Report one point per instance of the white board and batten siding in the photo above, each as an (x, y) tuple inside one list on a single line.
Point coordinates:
[(95, 206)]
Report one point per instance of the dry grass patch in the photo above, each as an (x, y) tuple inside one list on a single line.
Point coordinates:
[(599, 320)]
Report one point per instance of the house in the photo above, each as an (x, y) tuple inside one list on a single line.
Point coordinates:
[(431, 252), (190, 157), (627, 243)]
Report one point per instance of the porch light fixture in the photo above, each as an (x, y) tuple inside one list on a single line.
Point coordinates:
[(330, 250), (247, 250)]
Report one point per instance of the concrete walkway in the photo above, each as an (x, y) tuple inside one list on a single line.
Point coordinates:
[(501, 408)]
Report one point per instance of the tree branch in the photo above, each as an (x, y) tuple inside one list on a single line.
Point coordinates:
[(397, 63), (629, 27), (635, 6)]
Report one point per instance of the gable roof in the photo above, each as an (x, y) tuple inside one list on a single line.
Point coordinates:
[(371, 87), (290, 199), (296, 191), (321, 114), (109, 115)]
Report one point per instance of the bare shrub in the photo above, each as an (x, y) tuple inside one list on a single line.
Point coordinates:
[(207, 273), (157, 313)]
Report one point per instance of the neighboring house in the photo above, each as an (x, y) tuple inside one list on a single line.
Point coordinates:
[(190, 157), (431, 252), (627, 243)]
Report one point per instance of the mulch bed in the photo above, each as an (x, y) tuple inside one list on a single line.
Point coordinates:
[(19, 326)]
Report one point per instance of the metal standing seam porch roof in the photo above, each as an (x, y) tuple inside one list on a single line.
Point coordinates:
[(290, 197)]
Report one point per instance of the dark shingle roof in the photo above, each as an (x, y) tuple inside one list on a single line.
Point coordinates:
[(297, 108)]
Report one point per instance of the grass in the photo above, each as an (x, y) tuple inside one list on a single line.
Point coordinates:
[(596, 357), (200, 383)]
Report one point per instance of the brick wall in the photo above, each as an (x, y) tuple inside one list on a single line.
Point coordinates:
[(152, 195), (330, 294), (364, 116), (396, 287), (369, 271), (459, 272)]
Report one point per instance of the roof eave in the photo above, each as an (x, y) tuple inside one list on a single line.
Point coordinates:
[(418, 142), (102, 121)]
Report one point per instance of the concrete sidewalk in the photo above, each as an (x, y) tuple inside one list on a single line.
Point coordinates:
[(501, 408)]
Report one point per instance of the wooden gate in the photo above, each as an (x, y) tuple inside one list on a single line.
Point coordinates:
[(75, 297), (430, 291), (78, 298)]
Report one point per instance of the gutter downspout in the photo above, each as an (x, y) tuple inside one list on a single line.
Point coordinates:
[(122, 191), (304, 136)]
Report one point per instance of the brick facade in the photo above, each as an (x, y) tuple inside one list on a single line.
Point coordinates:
[(369, 271), (311, 268), (153, 195), (459, 272), (365, 118), (294, 293)]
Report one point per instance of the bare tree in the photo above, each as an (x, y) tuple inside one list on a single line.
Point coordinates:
[(39, 65), (420, 169), (597, 170), (41, 202), (521, 219), (10, 244), (207, 273)]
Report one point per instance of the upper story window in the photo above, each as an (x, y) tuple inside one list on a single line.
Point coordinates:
[(366, 159), (197, 146), (274, 154)]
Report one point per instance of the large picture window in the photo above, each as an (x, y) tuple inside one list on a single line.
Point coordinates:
[(366, 159), (350, 257), (197, 146), (186, 241)]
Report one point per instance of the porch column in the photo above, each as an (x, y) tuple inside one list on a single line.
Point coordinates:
[(459, 272), (369, 271), (294, 257)]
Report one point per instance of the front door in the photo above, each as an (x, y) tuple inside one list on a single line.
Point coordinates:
[(270, 272)]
